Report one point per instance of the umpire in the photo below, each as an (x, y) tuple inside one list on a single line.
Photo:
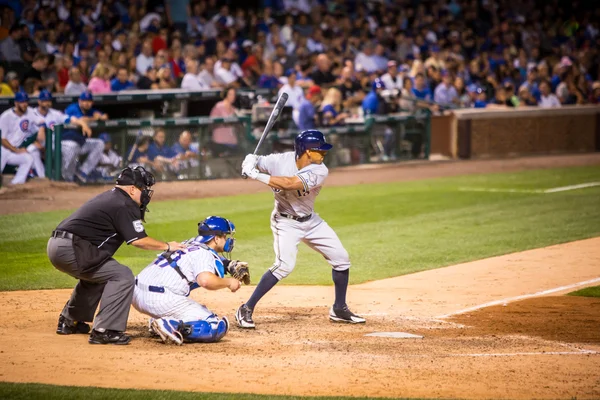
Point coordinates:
[(83, 245)]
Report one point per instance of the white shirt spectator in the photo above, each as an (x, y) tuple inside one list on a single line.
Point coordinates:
[(75, 89), (147, 20), (295, 98), (235, 68), (142, 63), (549, 101), (392, 83), (192, 82), (294, 6), (444, 94), (206, 78), (367, 62), (315, 47), (225, 76)]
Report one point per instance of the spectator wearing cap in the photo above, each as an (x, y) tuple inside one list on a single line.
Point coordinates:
[(75, 86), (224, 74), (253, 64), (121, 82), (307, 115), (373, 102), (235, 67), (294, 92), (145, 58), (12, 79), (480, 98), (322, 76), (445, 93), (110, 160), (392, 79), (74, 144), (191, 80), (421, 90), (149, 80), (99, 82), (532, 83), (547, 98)]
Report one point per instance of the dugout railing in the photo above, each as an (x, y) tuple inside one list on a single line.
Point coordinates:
[(375, 139)]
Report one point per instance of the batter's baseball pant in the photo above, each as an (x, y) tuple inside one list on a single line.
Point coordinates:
[(111, 285), (24, 162), (71, 152)]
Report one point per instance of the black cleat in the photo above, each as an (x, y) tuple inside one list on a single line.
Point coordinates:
[(243, 316), (109, 337), (68, 327), (345, 315)]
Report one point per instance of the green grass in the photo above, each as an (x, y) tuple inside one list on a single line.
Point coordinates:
[(389, 229), (28, 391), (593, 291)]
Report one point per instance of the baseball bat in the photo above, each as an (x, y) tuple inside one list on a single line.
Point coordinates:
[(275, 113), (133, 148)]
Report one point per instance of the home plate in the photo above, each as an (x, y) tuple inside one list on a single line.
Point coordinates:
[(397, 335)]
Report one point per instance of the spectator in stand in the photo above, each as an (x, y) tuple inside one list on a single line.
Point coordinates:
[(379, 58), (161, 155), (331, 108), (121, 82), (352, 92), (165, 78), (191, 80), (224, 139), (295, 94), (547, 98), (407, 96), (480, 98), (253, 64), (99, 83), (75, 86), (445, 93), (268, 80), (140, 154), (421, 90), (110, 161), (145, 58), (63, 66), (373, 102), (39, 64), (526, 98), (149, 80), (322, 76), (532, 83), (464, 100), (12, 80), (307, 116), (511, 99), (10, 49), (392, 79), (595, 94), (366, 58), (5, 90), (185, 155)]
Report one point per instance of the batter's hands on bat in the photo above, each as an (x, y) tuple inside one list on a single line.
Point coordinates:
[(251, 173), (250, 161)]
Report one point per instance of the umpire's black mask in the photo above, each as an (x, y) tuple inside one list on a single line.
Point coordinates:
[(141, 179)]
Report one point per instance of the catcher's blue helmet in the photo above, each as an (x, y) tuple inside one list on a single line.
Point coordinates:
[(311, 139), (217, 226)]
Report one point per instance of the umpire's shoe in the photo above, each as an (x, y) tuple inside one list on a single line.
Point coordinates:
[(243, 316), (69, 327), (345, 315), (109, 337)]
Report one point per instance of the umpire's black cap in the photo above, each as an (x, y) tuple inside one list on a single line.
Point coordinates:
[(137, 177)]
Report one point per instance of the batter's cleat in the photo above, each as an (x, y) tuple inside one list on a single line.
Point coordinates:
[(109, 337), (167, 332), (68, 327), (243, 316), (345, 315), (151, 330)]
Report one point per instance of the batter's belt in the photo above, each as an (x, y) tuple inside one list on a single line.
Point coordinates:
[(295, 218)]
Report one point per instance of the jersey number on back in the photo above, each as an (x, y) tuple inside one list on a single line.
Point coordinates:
[(303, 193)]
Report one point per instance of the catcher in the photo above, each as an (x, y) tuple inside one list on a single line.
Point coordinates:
[(163, 287)]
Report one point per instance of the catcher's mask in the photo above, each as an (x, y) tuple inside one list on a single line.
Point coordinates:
[(217, 226), (141, 179)]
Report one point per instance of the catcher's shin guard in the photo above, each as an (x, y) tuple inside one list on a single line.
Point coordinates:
[(204, 331)]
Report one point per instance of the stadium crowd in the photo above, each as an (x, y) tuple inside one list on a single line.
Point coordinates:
[(466, 53)]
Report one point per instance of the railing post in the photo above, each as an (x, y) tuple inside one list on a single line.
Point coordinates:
[(49, 153), (427, 133), (57, 155)]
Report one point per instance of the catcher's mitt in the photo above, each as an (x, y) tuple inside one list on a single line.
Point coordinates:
[(240, 271)]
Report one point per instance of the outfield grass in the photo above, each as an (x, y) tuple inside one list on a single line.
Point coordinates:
[(593, 291), (389, 229), (28, 391)]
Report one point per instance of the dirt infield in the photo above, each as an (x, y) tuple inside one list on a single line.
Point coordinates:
[(42, 195), (544, 348), (478, 340)]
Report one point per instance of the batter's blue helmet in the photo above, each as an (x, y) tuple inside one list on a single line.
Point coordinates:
[(45, 95), (21, 97), (311, 139), (378, 84), (217, 226)]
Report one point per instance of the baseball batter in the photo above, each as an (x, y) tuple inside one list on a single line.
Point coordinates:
[(163, 287), (20, 145), (296, 179)]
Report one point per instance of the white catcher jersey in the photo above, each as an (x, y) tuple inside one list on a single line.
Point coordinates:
[(53, 117), (294, 202), (17, 129), (196, 258)]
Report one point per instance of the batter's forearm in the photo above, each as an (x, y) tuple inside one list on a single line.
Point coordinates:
[(286, 183)]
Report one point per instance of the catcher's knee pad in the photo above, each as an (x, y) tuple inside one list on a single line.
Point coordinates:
[(205, 331)]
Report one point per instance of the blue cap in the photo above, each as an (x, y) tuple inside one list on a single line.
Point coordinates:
[(105, 137), (87, 95), (21, 97), (378, 84), (45, 95), (472, 88)]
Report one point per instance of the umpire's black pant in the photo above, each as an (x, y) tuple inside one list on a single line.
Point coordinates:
[(111, 285)]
